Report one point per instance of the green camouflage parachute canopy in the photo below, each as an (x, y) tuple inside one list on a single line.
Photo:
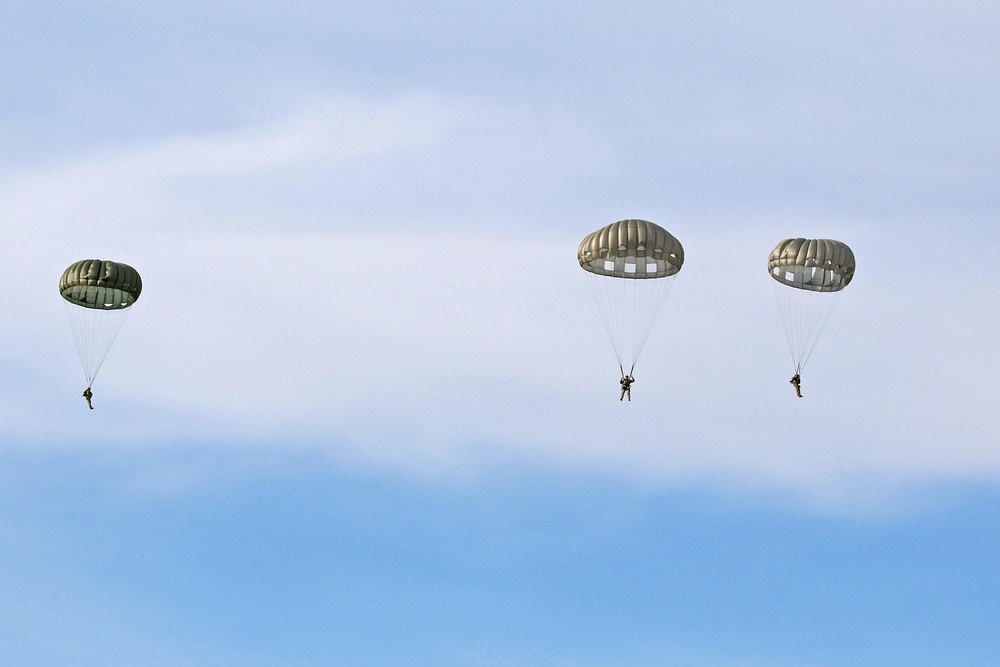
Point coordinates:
[(816, 265), (631, 249), (100, 284)]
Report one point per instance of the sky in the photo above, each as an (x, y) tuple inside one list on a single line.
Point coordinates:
[(365, 411)]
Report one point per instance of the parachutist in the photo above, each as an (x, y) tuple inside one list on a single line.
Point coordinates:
[(87, 394), (626, 383), (796, 382), (809, 276), (629, 266)]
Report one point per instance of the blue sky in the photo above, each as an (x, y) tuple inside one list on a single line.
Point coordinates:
[(364, 412)]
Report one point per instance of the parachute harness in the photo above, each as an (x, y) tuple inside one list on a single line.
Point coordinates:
[(622, 369)]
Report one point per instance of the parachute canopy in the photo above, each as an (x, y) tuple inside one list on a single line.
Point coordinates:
[(630, 266), (98, 295), (100, 284), (631, 249), (817, 265), (809, 275)]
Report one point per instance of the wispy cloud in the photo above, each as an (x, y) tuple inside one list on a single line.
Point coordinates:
[(417, 338)]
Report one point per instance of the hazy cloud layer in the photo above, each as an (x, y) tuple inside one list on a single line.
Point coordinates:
[(385, 270), (445, 348)]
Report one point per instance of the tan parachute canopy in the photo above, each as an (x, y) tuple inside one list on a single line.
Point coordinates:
[(817, 265), (100, 284), (648, 257), (631, 249)]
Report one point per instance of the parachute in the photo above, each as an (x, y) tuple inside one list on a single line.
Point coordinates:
[(98, 295), (630, 266), (809, 275)]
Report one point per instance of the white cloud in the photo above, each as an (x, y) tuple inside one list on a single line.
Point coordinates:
[(439, 346)]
